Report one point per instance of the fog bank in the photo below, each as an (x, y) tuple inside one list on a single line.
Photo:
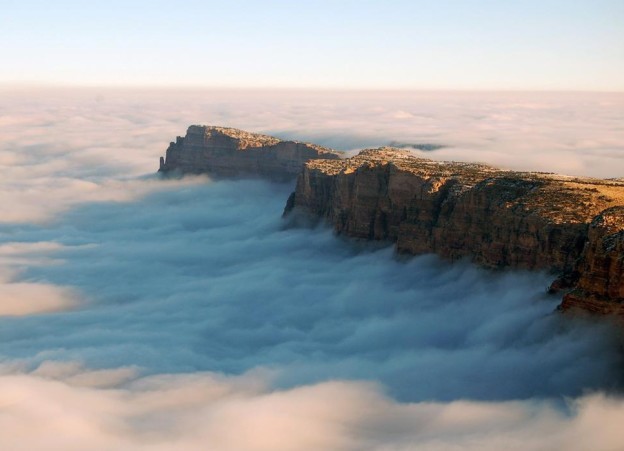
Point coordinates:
[(139, 313)]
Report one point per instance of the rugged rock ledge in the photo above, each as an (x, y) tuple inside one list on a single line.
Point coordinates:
[(229, 152), (571, 226)]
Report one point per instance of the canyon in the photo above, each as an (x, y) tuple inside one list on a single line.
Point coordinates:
[(572, 227)]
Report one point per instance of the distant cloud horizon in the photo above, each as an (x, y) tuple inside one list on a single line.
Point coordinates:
[(8, 85), (71, 132)]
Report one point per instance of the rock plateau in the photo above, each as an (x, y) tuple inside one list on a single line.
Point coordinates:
[(570, 226)]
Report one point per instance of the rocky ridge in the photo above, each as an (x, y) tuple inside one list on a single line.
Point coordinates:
[(229, 152), (571, 226)]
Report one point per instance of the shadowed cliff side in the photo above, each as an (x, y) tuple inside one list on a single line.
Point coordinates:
[(571, 226), (229, 152)]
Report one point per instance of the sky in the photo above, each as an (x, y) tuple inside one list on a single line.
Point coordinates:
[(339, 44)]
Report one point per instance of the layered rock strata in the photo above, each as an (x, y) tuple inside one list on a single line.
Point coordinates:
[(571, 226), (229, 152), (600, 273)]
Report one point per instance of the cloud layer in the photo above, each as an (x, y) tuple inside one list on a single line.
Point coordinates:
[(208, 277), (187, 312), (69, 146), (204, 410)]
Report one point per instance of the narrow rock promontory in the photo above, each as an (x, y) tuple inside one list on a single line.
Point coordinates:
[(573, 227), (229, 152)]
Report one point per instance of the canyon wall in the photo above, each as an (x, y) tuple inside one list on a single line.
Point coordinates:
[(571, 226), (600, 286), (229, 152)]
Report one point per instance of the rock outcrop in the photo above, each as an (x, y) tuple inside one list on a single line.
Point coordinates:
[(600, 273), (571, 226), (229, 152)]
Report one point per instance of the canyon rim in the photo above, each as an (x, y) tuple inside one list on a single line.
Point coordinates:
[(570, 226)]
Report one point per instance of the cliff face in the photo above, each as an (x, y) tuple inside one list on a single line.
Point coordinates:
[(600, 286), (570, 226), (228, 152), (573, 227)]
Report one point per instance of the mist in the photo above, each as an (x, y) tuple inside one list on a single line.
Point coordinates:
[(142, 313)]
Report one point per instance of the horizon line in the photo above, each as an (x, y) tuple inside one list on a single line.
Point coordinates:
[(4, 85)]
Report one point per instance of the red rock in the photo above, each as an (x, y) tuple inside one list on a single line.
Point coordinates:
[(496, 218), (571, 226), (600, 286), (229, 152)]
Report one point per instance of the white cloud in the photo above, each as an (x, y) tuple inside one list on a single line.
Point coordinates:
[(195, 411), (63, 147), (140, 300), (27, 298)]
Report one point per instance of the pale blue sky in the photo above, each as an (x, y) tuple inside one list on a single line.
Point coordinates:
[(417, 44)]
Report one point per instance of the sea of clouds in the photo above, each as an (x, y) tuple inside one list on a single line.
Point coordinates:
[(141, 313)]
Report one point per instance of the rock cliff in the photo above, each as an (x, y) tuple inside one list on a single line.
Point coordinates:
[(228, 152), (571, 226), (600, 273)]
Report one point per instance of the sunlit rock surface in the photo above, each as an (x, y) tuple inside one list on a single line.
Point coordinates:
[(569, 225), (600, 287), (229, 152)]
